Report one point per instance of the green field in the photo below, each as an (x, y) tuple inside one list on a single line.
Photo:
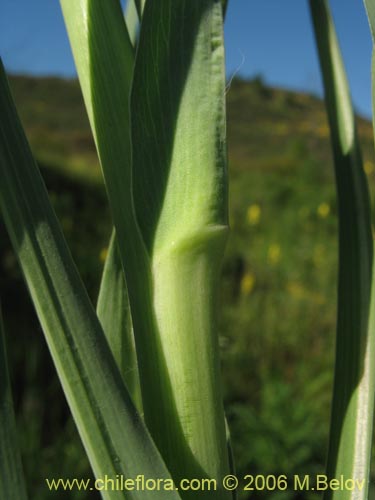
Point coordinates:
[(278, 294)]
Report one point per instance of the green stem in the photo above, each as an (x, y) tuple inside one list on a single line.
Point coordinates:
[(185, 299), (354, 383)]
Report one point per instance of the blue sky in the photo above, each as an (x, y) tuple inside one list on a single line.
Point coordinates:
[(268, 37)]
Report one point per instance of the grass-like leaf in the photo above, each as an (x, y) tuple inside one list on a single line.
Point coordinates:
[(113, 306), (353, 398), (104, 58), (113, 310), (12, 482), (115, 438)]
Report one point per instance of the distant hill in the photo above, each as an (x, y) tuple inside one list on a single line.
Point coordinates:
[(264, 125)]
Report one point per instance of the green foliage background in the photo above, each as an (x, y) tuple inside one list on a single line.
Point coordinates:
[(277, 320)]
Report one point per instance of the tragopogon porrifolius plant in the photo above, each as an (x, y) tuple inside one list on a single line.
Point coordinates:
[(141, 372)]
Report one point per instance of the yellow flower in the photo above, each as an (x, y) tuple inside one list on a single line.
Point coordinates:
[(253, 214), (323, 210), (247, 283), (369, 167), (274, 253), (103, 254)]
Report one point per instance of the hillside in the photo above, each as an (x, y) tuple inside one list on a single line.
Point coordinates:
[(55, 119), (278, 294)]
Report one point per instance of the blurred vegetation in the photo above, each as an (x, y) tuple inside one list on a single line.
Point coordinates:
[(278, 294)]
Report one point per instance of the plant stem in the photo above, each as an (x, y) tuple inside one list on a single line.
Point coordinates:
[(349, 451)]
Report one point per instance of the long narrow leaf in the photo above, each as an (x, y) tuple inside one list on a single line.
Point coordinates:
[(113, 306), (353, 398), (12, 482), (104, 58), (113, 310), (114, 435)]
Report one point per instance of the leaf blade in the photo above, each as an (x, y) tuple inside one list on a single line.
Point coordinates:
[(353, 400), (104, 59), (100, 404), (114, 314)]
